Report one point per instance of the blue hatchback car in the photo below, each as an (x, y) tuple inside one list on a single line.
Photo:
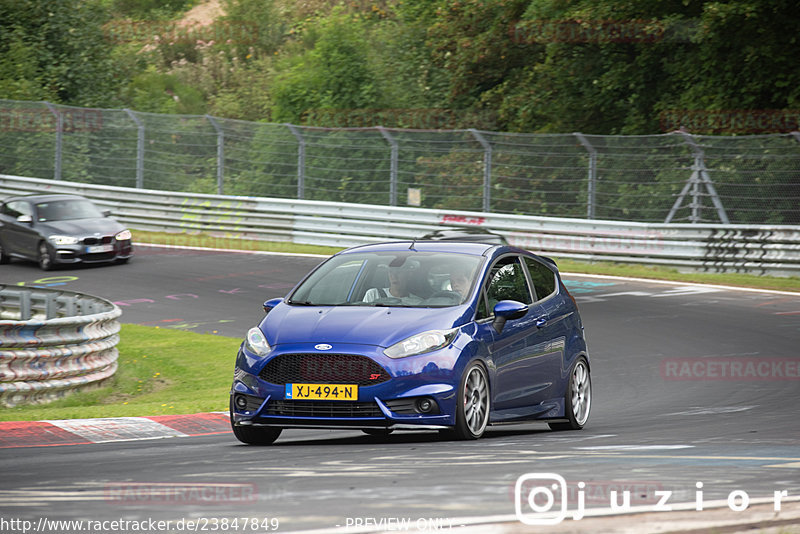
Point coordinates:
[(416, 335)]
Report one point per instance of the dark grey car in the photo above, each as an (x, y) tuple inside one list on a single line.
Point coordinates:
[(60, 229)]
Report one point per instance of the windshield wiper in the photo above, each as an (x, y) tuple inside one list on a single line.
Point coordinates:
[(302, 303)]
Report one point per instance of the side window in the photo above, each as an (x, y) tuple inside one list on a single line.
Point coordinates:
[(15, 209), (544, 280), (506, 281)]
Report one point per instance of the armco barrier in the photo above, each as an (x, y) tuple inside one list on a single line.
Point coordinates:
[(771, 250), (54, 342)]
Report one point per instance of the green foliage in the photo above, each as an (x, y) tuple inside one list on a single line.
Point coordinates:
[(333, 74), (144, 9), (55, 50), (154, 92)]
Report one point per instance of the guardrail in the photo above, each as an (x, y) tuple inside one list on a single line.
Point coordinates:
[(757, 249), (53, 343)]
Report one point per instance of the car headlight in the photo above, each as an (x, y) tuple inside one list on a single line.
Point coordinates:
[(421, 343), (123, 235), (256, 343), (63, 240)]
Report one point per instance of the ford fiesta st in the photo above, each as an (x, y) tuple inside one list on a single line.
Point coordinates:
[(416, 335)]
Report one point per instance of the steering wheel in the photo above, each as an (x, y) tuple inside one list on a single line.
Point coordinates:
[(452, 295)]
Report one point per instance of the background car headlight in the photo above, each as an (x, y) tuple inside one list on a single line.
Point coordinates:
[(256, 343), (421, 343), (123, 235), (63, 240)]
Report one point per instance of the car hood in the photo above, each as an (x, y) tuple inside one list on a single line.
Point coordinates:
[(82, 227), (365, 325)]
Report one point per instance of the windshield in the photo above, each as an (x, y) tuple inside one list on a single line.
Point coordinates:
[(66, 209), (403, 278)]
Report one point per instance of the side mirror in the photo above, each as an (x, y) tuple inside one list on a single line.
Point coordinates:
[(271, 303), (25, 219), (506, 310)]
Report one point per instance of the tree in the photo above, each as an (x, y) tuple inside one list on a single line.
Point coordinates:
[(55, 50)]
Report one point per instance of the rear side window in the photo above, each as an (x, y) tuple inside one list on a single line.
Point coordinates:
[(544, 280)]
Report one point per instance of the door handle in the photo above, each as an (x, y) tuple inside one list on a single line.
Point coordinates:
[(540, 321)]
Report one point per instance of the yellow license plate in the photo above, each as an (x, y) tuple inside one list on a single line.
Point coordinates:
[(336, 392)]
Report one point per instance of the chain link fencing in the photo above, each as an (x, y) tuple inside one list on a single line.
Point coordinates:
[(674, 177)]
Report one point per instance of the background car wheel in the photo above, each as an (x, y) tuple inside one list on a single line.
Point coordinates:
[(472, 413), (578, 398), (4, 258), (255, 435), (45, 257)]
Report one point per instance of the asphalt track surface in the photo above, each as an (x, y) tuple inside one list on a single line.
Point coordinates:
[(691, 385)]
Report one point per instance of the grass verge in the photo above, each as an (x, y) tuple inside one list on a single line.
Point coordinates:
[(161, 372)]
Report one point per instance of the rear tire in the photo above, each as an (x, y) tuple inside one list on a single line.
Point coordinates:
[(578, 398), (254, 435)]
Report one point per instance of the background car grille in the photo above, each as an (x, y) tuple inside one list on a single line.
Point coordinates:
[(323, 409), (98, 240), (325, 368)]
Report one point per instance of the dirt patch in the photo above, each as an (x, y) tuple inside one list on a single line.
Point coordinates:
[(202, 14)]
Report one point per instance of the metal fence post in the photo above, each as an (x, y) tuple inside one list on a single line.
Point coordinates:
[(59, 140), (301, 161), (592, 178), (392, 166), (220, 153), (139, 148), (487, 168)]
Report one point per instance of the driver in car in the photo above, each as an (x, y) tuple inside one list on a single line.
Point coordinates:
[(399, 282)]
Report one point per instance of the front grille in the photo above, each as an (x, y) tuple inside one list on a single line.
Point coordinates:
[(324, 368), (105, 240), (323, 409)]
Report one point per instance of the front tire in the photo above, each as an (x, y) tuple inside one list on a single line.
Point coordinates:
[(578, 398), (254, 435), (472, 412), (379, 432), (45, 258)]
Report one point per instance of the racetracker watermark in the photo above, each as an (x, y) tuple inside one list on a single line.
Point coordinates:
[(42, 119), (742, 121), (405, 118), (544, 499), (170, 494), (170, 32), (731, 369), (582, 31)]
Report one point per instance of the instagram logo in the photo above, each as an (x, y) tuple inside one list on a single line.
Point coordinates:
[(536, 495)]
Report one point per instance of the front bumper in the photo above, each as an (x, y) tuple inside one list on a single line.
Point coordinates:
[(81, 253), (395, 403)]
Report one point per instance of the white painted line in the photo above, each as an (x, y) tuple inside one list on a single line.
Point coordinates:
[(605, 276), (105, 430), (497, 520), (635, 447), (260, 252)]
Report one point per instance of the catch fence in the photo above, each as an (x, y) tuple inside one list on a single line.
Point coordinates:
[(672, 177)]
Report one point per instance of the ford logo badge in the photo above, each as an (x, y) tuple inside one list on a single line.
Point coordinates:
[(323, 346)]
